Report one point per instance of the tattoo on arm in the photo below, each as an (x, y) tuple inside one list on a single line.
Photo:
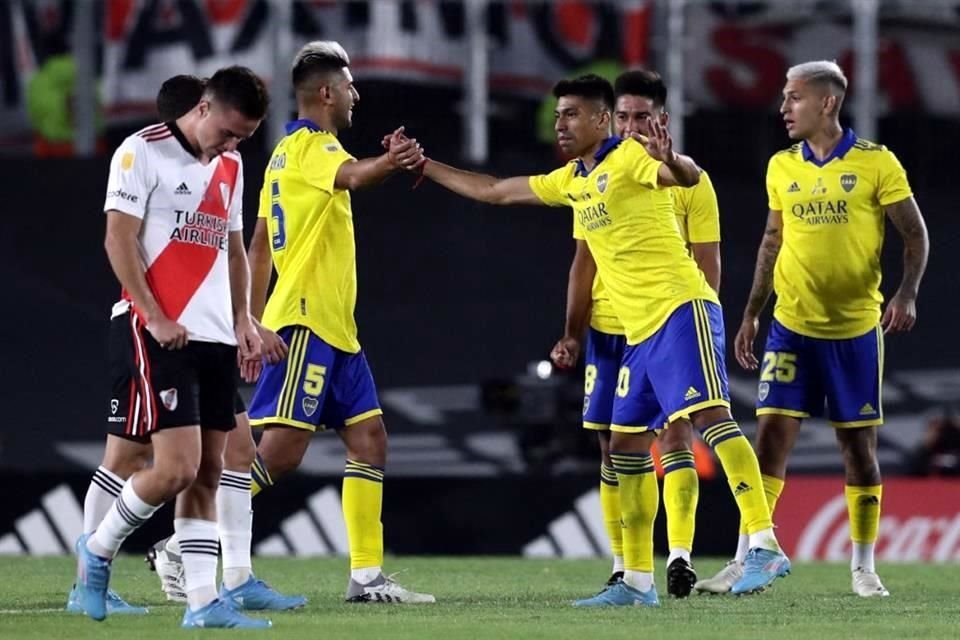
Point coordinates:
[(766, 260), (906, 217)]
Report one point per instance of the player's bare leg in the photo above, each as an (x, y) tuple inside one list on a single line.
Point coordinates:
[(864, 493), (610, 505), (681, 490), (776, 436)]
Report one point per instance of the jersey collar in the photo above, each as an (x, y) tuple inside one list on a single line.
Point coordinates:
[(181, 138), (846, 143), (302, 123), (608, 145)]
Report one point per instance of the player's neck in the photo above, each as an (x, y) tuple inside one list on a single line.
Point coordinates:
[(824, 141), (589, 157), (319, 118)]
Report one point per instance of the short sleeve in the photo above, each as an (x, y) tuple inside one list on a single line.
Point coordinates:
[(578, 233), (130, 181), (263, 208), (235, 215), (549, 187), (892, 184), (643, 168), (773, 198), (322, 157), (703, 213)]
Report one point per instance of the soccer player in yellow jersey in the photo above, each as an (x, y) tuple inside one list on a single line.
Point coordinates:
[(820, 253), (672, 368), (305, 224), (640, 99)]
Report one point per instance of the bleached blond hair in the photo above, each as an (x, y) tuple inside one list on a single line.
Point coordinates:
[(327, 51), (823, 72)]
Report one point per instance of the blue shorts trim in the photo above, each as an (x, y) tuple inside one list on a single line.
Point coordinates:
[(800, 374), (603, 356), (316, 386), (674, 373)]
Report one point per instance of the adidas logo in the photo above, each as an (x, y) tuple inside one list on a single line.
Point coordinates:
[(575, 534), (867, 410), (869, 500), (50, 529), (794, 188), (182, 190), (691, 394), (742, 488), (317, 530)]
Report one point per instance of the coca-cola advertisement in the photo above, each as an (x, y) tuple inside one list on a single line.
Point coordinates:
[(920, 520)]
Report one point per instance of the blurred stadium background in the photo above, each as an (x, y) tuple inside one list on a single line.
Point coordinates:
[(459, 302)]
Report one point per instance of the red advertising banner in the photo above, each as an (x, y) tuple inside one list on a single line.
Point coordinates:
[(920, 521)]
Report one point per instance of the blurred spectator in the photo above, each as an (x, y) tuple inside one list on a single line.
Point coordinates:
[(939, 452), (50, 101)]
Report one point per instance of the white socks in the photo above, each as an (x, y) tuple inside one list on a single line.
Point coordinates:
[(365, 575), (617, 563), (639, 580), (125, 516), (862, 557), (765, 539), (235, 527), (198, 552), (104, 489), (743, 545), (678, 552)]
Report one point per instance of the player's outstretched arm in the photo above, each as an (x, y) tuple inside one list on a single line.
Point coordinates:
[(579, 297), (122, 247), (481, 187), (402, 153), (901, 311), (760, 290)]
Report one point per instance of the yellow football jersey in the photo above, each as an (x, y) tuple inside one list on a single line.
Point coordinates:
[(311, 232), (827, 276), (629, 225), (698, 219)]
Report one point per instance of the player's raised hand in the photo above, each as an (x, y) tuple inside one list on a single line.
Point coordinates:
[(659, 143), (171, 335), (566, 352), (743, 343), (900, 314), (274, 349)]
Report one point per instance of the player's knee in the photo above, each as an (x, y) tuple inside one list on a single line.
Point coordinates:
[(367, 442), (679, 437), (177, 474), (240, 453)]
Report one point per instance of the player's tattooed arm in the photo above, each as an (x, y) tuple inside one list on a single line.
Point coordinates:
[(766, 260), (901, 311)]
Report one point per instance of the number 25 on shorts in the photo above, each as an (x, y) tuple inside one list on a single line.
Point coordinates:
[(313, 379), (778, 366)]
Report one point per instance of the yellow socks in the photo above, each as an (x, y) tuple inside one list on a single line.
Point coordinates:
[(362, 504), (610, 506), (259, 476), (681, 490), (743, 475), (639, 501), (863, 507)]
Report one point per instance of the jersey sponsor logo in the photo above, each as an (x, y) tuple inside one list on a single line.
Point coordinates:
[(114, 405), (182, 190), (196, 227), (126, 162), (793, 188), (123, 195), (848, 181), (822, 212), (593, 217), (169, 399), (602, 182), (332, 148), (225, 194)]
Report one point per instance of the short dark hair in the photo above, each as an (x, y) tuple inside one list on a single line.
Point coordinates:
[(241, 89), (317, 58), (590, 86), (644, 83), (178, 95)]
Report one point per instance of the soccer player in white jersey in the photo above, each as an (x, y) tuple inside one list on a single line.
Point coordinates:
[(125, 455), (174, 239), (828, 198)]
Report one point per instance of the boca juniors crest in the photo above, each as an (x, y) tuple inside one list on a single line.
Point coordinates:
[(848, 181), (602, 182)]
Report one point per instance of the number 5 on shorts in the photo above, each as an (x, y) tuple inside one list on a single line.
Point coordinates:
[(313, 379)]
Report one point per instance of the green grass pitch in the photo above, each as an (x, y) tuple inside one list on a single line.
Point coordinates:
[(506, 598)]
